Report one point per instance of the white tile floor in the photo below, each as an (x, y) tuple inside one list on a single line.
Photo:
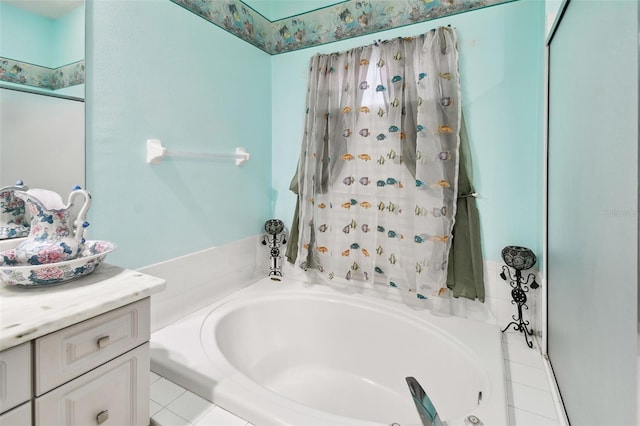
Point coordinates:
[(171, 405), (529, 393)]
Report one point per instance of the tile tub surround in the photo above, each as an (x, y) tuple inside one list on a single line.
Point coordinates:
[(199, 279), (498, 297), (28, 313)]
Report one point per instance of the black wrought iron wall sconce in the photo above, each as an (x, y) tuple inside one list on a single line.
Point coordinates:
[(273, 239), (520, 259)]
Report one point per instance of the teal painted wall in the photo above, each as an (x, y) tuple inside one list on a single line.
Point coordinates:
[(47, 42), (155, 70), (157, 212), (69, 37), (51, 43), (502, 68), (26, 36)]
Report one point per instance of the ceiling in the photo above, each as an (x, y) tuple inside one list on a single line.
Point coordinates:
[(274, 10), (47, 8)]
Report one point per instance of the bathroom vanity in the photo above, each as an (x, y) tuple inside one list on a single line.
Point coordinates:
[(77, 353)]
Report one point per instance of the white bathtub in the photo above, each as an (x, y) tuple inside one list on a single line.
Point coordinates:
[(289, 353)]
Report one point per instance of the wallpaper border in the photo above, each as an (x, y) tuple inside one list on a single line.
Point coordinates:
[(341, 21), (19, 72)]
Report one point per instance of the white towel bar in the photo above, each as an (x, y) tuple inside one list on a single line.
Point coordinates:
[(156, 152)]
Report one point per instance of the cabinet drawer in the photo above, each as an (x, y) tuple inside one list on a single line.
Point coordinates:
[(72, 351), (116, 393), (19, 416), (15, 376)]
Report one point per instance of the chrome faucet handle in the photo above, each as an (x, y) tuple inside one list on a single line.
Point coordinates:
[(426, 410)]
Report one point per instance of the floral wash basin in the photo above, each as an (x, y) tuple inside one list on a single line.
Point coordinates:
[(14, 273)]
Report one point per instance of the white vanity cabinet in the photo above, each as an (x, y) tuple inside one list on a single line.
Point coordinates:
[(15, 385), (19, 416), (77, 354), (95, 371), (116, 393)]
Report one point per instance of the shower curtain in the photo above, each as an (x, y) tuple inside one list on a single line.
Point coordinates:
[(377, 177)]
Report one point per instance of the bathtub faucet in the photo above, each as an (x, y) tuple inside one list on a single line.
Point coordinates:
[(428, 414), (426, 410)]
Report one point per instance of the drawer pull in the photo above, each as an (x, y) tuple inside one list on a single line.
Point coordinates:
[(103, 341), (102, 417)]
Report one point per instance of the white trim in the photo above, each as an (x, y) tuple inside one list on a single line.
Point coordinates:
[(545, 200), (557, 20), (561, 413)]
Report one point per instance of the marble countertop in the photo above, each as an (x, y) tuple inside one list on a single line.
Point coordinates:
[(28, 313)]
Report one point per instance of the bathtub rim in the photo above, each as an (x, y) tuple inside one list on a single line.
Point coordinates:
[(395, 312), (195, 370)]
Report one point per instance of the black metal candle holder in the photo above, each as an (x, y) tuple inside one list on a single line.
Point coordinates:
[(273, 239), (519, 258)]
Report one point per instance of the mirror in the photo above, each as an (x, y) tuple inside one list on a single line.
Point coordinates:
[(42, 94)]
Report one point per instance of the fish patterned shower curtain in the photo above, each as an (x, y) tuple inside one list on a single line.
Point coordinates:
[(377, 174)]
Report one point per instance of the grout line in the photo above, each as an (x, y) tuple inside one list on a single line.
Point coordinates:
[(533, 387), (551, 385), (160, 408), (535, 367), (168, 403), (533, 412), (186, 420), (200, 416), (179, 395)]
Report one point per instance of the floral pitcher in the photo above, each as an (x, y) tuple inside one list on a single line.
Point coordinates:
[(13, 222), (57, 231)]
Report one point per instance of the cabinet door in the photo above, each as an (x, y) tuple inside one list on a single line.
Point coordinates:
[(19, 416), (15, 376), (116, 393)]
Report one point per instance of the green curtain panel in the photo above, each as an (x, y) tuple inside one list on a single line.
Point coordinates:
[(294, 232), (465, 268)]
